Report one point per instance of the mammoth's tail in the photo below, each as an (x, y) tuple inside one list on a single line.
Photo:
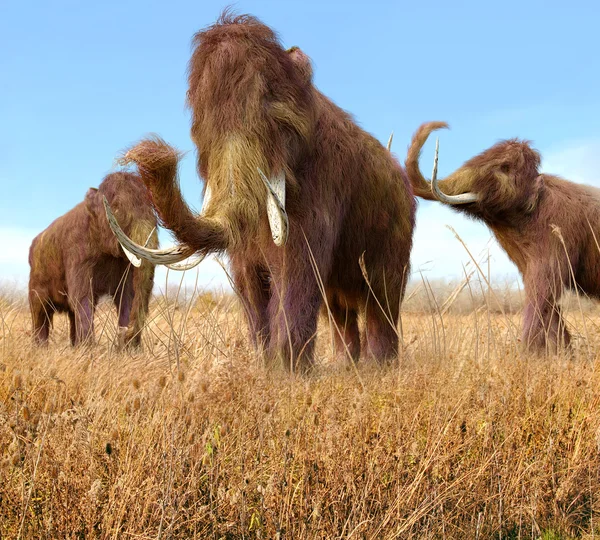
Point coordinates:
[(157, 164), (421, 186)]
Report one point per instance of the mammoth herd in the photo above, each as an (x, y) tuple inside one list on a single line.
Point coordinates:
[(313, 213)]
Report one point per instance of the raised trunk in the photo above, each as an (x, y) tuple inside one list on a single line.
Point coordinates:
[(157, 164), (421, 187)]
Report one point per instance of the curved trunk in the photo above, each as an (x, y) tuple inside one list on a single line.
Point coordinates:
[(157, 164), (453, 190), (421, 187)]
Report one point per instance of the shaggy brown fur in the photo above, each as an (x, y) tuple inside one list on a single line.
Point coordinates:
[(77, 259), (254, 106), (547, 226)]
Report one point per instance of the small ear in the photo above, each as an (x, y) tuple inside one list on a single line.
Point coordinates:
[(538, 186), (302, 62), (90, 199)]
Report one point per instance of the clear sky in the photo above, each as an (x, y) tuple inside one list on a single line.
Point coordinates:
[(80, 81)]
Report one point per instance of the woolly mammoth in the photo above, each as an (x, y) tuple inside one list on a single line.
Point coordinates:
[(77, 259), (295, 194), (547, 225)]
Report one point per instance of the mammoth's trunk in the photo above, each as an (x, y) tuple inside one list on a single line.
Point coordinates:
[(157, 164), (421, 187), (453, 190)]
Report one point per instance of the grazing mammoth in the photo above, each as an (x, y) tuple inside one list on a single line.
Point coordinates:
[(77, 259), (547, 225), (295, 193)]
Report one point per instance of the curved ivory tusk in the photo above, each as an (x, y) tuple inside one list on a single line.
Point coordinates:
[(389, 144), (463, 198), (155, 256), (136, 261), (182, 267), (278, 220), (206, 199)]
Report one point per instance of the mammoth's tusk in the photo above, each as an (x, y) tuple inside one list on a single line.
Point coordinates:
[(182, 267), (206, 199), (389, 144), (155, 256), (136, 261), (463, 198), (278, 220)]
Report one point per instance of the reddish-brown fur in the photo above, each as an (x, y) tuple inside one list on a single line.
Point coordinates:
[(548, 226), (77, 259), (254, 105)]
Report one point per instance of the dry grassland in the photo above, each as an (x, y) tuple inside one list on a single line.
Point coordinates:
[(193, 438)]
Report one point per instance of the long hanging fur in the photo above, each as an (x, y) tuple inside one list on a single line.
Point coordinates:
[(254, 106)]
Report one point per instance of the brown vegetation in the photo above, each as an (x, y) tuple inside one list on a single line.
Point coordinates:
[(194, 438)]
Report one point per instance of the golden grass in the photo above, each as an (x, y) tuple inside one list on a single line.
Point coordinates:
[(193, 438)]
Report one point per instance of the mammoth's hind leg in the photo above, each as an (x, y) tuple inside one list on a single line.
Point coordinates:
[(72, 327), (544, 328), (253, 287), (382, 310), (41, 318), (345, 331)]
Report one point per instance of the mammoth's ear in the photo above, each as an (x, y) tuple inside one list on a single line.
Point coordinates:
[(536, 188), (90, 199), (302, 63)]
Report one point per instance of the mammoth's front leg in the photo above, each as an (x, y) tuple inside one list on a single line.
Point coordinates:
[(134, 310), (81, 303), (296, 301), (254, 290), (544, 328), (41, 317)]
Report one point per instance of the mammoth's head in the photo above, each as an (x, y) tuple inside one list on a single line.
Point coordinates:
[(501, 184), (251, 100)]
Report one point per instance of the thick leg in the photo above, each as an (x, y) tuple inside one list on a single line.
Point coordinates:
[(345, 328), (382, 311), (544, 328), (123, 300), (296, 300), (81, 302), (253, 287), (41, 318), (136, 301), (84, 319), (381, 332), (72, 328)]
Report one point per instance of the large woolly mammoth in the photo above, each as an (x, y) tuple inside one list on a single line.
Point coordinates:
[(548, 226), (77, 259), (295, 194)]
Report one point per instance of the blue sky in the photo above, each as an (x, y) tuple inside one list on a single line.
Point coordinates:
[(83, 80)]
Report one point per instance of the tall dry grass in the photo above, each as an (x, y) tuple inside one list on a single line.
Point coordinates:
[(193, 438)]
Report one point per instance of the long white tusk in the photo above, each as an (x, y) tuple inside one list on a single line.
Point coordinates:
[(276, 213), (206, 199), (463, 198), (182, 267), (155, 256), (389, 144), (136, 261)]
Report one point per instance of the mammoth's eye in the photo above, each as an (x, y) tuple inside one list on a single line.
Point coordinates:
[(505, 168)]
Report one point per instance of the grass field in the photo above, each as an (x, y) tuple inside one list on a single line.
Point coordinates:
[(193, 438)]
